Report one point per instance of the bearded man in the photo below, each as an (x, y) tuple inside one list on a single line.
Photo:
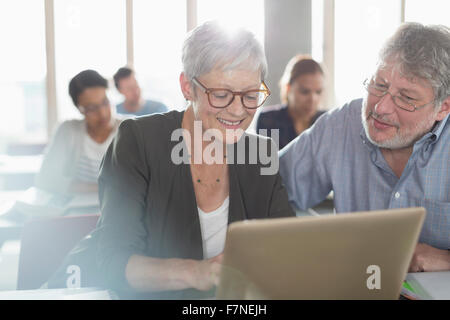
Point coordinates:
[(390, 149)]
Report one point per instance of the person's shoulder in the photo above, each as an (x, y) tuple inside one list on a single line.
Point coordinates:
[(120, 107), (72, 126), (269, 111), (317, 115), (117, 119), (443, 130), (155, 106), (255, 136), (156, 122), (168, 117), (152, 133), (259, 160), (272, 116), (73, 123), (335, 123), (253, 141), (350, 111), (154, 102), (68, 133)]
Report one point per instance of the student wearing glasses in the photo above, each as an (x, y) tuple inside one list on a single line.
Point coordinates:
[(72, 161), (390, 149), (169, 185)]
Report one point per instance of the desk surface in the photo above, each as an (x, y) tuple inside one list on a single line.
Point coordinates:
[(12, 219), (59, 294), (430, 285), (10, 165), (7, 199)]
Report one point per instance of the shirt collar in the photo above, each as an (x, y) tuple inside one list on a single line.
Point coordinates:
[(439, 127), (365, 140)]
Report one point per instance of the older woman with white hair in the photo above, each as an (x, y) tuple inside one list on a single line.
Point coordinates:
[(171, 183)]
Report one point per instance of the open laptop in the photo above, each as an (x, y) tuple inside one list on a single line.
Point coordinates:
[(363, 255)]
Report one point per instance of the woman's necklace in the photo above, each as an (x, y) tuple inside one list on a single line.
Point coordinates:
[(204, 181), (192, 167), (200, 180)]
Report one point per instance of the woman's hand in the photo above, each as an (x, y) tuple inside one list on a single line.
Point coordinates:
[(205, 273), (154, 274)]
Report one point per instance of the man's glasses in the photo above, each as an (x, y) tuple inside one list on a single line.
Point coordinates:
[(222, 98), (94, 107), (380, 90)]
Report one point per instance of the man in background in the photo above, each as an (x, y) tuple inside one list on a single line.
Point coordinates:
[(126, 83)]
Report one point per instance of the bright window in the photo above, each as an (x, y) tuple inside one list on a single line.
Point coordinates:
[(235, 13), (361, 28), (88, 35), (428, 12), (159, 30), (23, 67)]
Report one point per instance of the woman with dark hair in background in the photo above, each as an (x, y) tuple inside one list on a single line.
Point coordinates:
[(301, 94), (72, 160)]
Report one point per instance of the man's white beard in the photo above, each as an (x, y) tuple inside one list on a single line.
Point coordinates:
[(402, 139)]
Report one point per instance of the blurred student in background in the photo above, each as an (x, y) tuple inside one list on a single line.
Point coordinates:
[(126, 83), (72, 159), (301, 94)]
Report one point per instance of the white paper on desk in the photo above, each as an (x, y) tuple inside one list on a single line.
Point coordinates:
[(41, 203), (430, 285), (38, 202)]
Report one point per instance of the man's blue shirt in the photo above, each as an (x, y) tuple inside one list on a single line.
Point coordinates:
[(335, 154)]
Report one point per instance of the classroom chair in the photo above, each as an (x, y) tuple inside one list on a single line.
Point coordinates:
[(44, 245)]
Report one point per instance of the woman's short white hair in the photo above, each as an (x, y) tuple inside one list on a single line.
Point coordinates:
[(423, 52), (211, 45)]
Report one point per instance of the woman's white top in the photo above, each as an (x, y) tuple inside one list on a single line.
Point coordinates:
[(214, 229), (88, 164)]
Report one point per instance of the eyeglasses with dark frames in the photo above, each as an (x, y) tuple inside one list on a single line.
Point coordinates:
[(380, 91), (94, 108), (222, 98)]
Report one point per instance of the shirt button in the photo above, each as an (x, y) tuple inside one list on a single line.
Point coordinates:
[(397, 195)]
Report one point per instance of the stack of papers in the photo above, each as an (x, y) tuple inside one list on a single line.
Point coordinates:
[(427, 286), (36, 202)]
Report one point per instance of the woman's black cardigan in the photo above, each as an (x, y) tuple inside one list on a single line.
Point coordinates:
[(148, 205)]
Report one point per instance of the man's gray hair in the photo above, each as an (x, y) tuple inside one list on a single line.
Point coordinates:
[(423, 52), (211, 45)]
